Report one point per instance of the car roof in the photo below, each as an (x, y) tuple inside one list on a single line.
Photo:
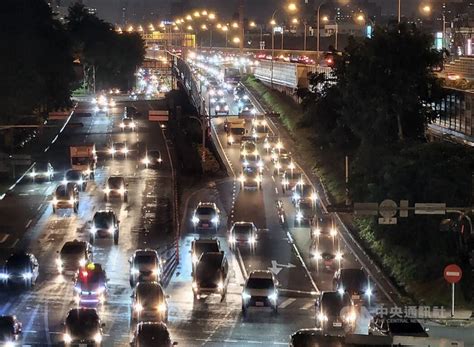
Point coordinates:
[(101, 212), (213, 240), (157, 326), (207, 204), (83, 311), (20, 257), (143, 288), (241, 223), (261, 274), (146, 251)]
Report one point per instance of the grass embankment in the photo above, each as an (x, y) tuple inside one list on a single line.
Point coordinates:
[(330, 172)]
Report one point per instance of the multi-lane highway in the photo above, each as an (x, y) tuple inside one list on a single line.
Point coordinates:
[(29, 224)]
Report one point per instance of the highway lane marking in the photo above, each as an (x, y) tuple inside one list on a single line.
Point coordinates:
[(14, 243), (4, 237), (39, 207), (29, 223), (307, 306), (276, 190), (287, 302)]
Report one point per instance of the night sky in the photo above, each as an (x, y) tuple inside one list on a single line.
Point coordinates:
[(110, 10)]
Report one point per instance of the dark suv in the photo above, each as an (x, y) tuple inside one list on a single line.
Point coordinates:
[(104, 224)]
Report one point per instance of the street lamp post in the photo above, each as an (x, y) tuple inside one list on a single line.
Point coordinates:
[(317, 19), (399, 10), (304, 39)]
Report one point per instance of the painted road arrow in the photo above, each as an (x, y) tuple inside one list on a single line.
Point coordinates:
[(276, 268)]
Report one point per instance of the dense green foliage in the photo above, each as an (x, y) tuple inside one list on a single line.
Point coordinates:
[(35, 60), (38, 52), (114, 57), (377, 113)]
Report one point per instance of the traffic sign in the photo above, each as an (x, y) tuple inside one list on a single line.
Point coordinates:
[(388, 208), (430, 208), (366, 208), (158, 115), (389, 221), (452, 273), (403, 208)]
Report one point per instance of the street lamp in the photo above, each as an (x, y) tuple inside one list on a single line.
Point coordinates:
[(317, 24), (225, 29), (236, 40)]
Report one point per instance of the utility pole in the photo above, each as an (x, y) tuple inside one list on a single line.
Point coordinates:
[(241, 26)]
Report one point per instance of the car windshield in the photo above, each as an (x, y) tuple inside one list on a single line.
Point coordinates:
[(145, 259), (333, 303), (61, 191), (82, 323), (406, 327), (260, 283), (119, 145), (203, 247), (149, 295), (72, 248), (18, 262), (261, 129), (305, 205), (102, 220), (73, 175), (237, 131), (115, 182), (249, 146), (127, 120), (154, 154), (150, 335), (205, 211), (41, 166), (242, 229)]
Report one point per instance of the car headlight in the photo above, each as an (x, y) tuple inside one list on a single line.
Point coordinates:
[(122, 190), (252, 240), (107, 190), (226, 108), (231, 138), (299, 216), (156, 271), (134, 271), (341, 291), (296, 196), (333, 232), (32, 174), (122, 125), (71, 201), (27, 276), (368, 292), (195, 220), (338, 256), (55, 201), (82, 262), (80, 181), (194, 285), (9, 344), (317, 255), (350, 317), (125, 150), (273, 296), (220, 285), (246, 163), (96, 109), (322, 317), (98, 338), (146, 161), (258, 179), (218, 108), (112, 150), (59, 262), (132, 125), (161, 308), (4, 276), (231, 239), (138, 307), (215, 220), (87, 171), (246, 295), (260, 163), (111, 230), (93, 230), (67, 338)]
